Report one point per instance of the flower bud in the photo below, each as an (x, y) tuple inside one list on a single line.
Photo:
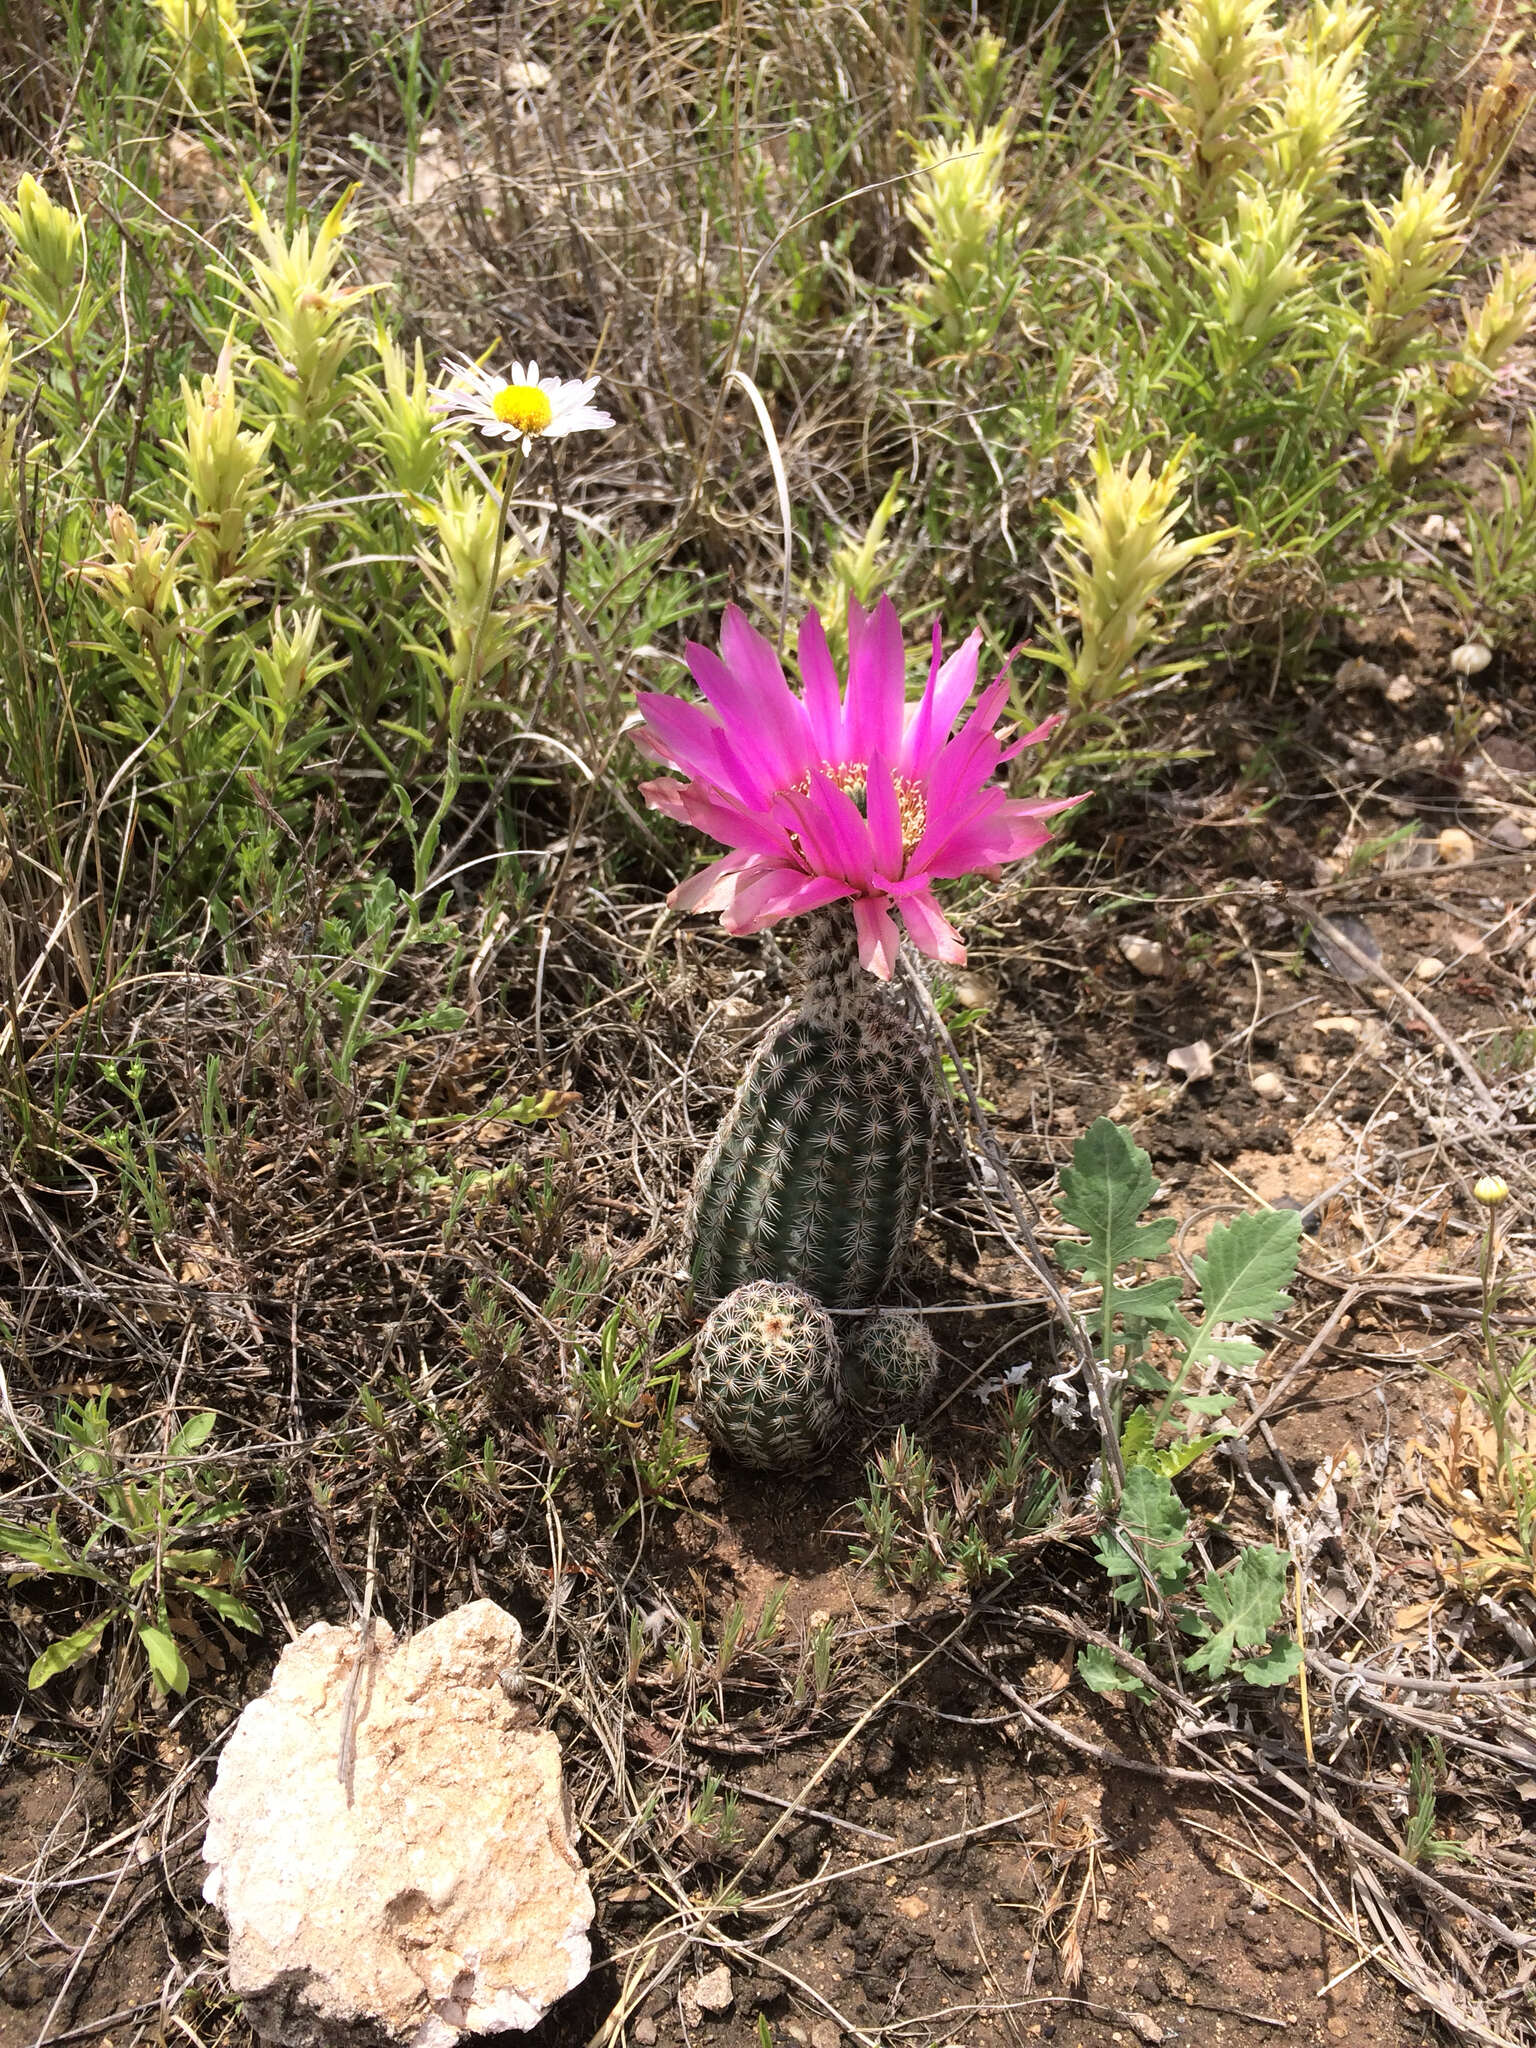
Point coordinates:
[(1491, 1191)]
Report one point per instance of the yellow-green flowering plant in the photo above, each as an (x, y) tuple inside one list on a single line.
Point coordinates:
[(1418, 240), (961, 211), (304, 310), (1118, 558), (205, 43), (224, 468)]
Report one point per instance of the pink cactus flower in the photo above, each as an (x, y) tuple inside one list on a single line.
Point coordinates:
[(835, 795)]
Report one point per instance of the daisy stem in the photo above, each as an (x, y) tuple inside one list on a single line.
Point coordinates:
[(557, 635), (1496, 1393)]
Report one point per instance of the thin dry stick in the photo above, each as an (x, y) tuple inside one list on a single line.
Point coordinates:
[(897, 1685), (781, 483), (630, 1997), (1277, 1393), (1327, 929), (346, 1753)]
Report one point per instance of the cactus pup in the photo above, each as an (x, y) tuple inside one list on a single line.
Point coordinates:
[(849, 801), (766, 1375)]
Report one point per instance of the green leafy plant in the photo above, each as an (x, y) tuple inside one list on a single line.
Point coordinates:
[(144, 1517), (1148, 1341)]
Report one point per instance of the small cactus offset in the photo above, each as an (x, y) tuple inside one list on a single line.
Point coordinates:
[(767, 1375), (818, 1171), (891, 1365)]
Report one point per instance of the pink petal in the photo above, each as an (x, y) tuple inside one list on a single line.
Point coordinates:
[(818, 681), (882, 816), (877, 683), (879, 940), (949, 687), (929, 929), (984, 844), (765, 899), (969, 760), (832, 831), (776, 717), (750, 830), (1045, 806), (713, 887), (764, 726), (666, 796), (1031, 739), (752, 761), (991, 829), (682, 733)]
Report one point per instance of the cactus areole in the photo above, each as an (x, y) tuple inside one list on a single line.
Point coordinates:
[(817, 1173)]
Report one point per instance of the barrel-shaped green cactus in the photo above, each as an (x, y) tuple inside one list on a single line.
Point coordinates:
[(818, 1171), (767, 1377), (891, 1365)]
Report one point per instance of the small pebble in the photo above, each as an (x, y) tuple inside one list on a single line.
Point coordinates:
[(1429, 968), (1401, 690), (1268, 1086), (1145, 955), (1194, 1062), (1509, 835), (974, 991), (1359, 674), (1455, 846), (1471, 658), (643, 2032), (713, 1991)]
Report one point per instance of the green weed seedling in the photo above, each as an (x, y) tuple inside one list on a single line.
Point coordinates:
[(925, 1527), (714, 1813), (1427, 1771), (143, 1552), (1148, 1342), (628, 1404)]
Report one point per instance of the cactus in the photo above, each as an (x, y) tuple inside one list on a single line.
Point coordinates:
[(891, 1365), (767, 1375), (816, 1175)]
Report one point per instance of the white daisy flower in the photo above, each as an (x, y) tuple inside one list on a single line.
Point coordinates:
[(522, 406)]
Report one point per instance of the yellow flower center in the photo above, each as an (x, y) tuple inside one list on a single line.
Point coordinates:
[(852, 778), (523, 406)]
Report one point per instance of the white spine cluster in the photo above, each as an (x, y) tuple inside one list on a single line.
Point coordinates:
[(766, 1375)]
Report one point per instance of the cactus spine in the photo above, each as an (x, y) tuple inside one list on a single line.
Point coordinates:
[(816, 1175), (766, 1375), (891, 1364)]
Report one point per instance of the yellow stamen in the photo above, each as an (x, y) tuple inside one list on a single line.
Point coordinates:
[(912, 809), (523, 406), (852, 778)]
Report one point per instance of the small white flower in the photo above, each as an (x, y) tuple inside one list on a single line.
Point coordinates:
[(522, 406)]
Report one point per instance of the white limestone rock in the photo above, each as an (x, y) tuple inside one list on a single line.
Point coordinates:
[(436, 1894)]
